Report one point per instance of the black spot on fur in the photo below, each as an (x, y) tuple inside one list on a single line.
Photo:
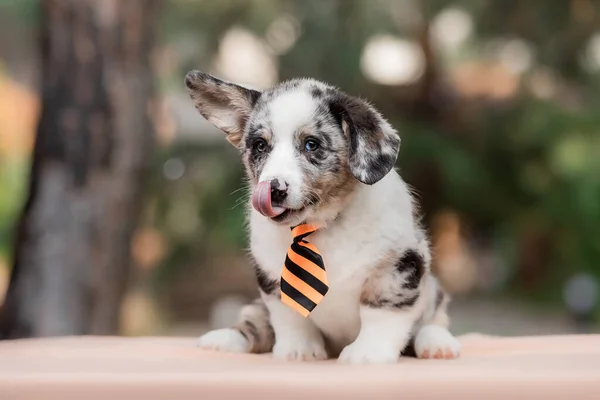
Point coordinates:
[(244, 334), (255, 130), (409, 350), (395, 285), (317, 158), (315, 161), (190, 81), (407, 301), (316, 93), (367, 160), (250, 329), (331, 91), (413, 263), (378, 166), (266, 284), (326, 139), (394, 302), (337, 110)]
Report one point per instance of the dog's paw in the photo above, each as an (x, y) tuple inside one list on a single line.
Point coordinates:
[(368, 352), (299, 349), (227, 340), (436, 342)]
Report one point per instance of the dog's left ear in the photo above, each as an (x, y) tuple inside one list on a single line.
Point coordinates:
[(373, 143)]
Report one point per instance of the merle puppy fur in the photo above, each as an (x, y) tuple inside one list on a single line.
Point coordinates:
[(329, 160)]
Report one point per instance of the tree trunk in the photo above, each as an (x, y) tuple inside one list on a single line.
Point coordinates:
[(93, 145)]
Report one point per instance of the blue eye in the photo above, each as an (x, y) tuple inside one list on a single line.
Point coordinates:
[(311, 145)]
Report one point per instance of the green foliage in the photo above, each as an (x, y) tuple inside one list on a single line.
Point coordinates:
[(201, 210), (13, 176), (26, 11)]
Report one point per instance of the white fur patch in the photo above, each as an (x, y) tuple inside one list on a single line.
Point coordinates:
[(280, 165), (297, 338), (368, 352), (433, 341), (299, 348), (226, 340), (383, 335), (290, 111)]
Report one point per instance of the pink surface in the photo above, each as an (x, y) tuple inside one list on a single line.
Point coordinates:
[(545, 367)]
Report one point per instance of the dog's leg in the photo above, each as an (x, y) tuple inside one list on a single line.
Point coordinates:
[(391, 303), (434, 340), (296, 338), (383, 335), (252, 334)]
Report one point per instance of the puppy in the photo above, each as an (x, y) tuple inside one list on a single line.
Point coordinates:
[(327, 159)]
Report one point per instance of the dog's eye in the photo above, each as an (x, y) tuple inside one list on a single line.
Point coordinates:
[(260, 145), (311, 145)]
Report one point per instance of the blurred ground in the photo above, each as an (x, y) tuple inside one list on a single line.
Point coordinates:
[(501, 318), (470, 315)]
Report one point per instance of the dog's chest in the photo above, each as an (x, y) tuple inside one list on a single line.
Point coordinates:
[(347, 268), (348, 261)]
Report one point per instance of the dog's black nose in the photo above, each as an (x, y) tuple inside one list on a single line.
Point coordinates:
[(278, 191)]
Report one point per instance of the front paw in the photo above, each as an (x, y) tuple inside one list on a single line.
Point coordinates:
[(226, 340), (369, 352), (299, 349), (436, 342)]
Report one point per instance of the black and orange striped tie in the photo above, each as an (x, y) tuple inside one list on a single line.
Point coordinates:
[(303, 280)]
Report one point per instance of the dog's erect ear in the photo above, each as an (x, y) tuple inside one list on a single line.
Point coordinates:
[(373, 143), (225, 105)]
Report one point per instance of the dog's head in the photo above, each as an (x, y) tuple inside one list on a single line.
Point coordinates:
[(306, 145)]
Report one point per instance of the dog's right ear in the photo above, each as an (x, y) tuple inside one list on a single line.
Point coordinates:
[(225, 105), (373, 143)]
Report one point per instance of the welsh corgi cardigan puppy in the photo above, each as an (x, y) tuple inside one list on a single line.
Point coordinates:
[(316, 155)]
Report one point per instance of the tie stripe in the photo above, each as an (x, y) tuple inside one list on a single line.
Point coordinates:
[(309, 246), (307, 254), (306, 276), (287, 300), (307, 265), (303, 279), (301, 286), (297, 297)]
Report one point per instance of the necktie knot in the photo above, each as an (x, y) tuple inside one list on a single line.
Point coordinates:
[(303, 279), (299, 232)]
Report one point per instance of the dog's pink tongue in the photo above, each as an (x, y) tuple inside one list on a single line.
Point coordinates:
[(261, 200)]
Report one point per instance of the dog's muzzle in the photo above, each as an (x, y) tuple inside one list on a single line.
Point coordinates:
[(262, 198)]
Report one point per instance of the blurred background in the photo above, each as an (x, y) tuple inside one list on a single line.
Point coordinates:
[(119, 205)]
